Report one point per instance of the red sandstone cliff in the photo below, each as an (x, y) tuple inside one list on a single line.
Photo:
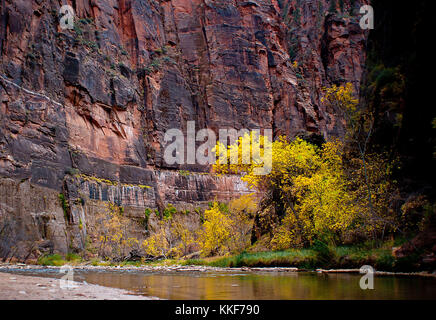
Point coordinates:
[(98, 99)]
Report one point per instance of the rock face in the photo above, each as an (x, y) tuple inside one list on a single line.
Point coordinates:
[(98, 99)]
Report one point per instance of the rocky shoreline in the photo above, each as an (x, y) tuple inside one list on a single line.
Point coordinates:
[(180, 268)]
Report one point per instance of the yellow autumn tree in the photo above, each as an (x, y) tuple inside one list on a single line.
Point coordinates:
[(244, 156), (308, 194), (215, 236), (172, 236), (368, 173), (157, 245), (187, 239), (323, 205), (110, 233), (242, 211)]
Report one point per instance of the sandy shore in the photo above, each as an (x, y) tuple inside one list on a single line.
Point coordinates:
[(17, 287)]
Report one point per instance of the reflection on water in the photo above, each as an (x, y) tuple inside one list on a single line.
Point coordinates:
[(259, 286)]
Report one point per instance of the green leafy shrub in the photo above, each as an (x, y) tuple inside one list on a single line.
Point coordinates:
[(51, 260), (64, 204), (169, 211), (72, 257), (385, 262), (325, 255)]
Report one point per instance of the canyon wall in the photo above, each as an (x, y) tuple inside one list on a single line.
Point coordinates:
[(84, 111)]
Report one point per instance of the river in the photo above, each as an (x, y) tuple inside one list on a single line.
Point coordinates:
[(252, 286)]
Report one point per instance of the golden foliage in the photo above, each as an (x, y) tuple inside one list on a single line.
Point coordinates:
[(315, 192), (228, 231), (342, 97), (215, 236), (242, 211), (322, 202), (245, 155), (111, 233), (171, 238)]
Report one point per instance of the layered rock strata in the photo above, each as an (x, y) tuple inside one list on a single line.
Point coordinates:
[(96, 101)]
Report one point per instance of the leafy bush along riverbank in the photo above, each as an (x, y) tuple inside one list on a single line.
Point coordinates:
[(342, 258), (319, 256), (58, 260)]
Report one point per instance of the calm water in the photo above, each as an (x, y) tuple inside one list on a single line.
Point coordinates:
[(257, 286)]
